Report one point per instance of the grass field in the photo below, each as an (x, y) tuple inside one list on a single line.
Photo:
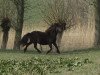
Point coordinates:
[(84, 62), (81, 62)]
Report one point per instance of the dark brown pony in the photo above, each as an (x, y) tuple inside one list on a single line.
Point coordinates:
[(43, 38)]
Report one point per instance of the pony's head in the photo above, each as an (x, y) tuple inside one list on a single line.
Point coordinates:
[(24, 40), (60, 27)]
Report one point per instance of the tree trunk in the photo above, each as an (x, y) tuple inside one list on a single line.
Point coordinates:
[(4, 40), (20, 20), (97, 26), (18, 31), (59, 38), (18, 34)]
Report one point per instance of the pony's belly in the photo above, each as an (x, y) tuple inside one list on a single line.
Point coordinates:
[(44, 43)]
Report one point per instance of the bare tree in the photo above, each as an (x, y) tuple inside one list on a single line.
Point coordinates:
[(5, 29), (96, 5), (97, 19), (6, 15), (62, 11), (20, 7)]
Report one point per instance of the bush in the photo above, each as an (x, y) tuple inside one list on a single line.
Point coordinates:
[(39, 66)]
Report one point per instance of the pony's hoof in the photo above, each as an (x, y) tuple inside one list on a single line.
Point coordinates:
[(24, 51), (47, 52), (58, 52), (39, 51)]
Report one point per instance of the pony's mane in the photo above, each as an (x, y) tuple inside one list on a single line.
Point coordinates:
[(52, 27)]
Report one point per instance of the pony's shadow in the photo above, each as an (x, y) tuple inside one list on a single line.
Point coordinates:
[(52, 53)]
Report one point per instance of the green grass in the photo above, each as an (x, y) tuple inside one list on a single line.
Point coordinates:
[(67, 60)]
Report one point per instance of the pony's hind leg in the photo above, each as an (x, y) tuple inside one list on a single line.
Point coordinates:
[(56, 47), (35, 46), (27, 46), (50, 45)]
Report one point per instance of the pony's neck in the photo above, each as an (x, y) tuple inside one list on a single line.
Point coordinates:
[(52, 33)]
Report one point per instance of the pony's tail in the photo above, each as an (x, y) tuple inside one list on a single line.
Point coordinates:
[(28, 37), (24, 39)]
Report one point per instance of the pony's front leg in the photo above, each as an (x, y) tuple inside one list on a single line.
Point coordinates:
[(56, 47), (26, 47), (50, 45)]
